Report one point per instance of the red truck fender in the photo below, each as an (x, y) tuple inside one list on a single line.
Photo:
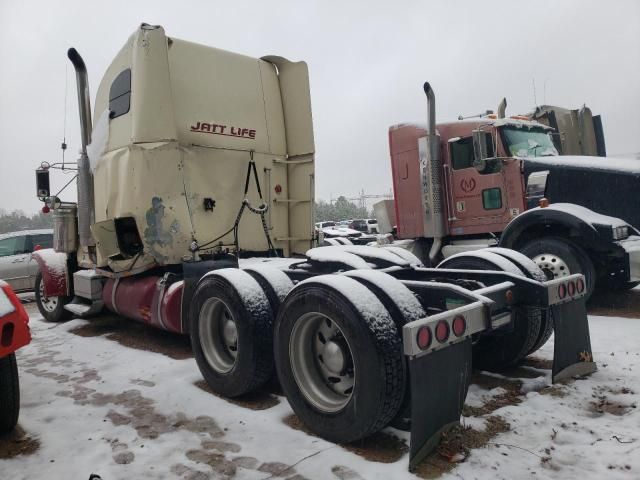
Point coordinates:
[(14, 322), (55, 272)]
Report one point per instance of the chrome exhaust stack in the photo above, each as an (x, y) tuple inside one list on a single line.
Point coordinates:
[(86, 210), (432, 179), (431, 106), (502, 108)]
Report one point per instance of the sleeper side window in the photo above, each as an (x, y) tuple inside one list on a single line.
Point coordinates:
[(120, 94)]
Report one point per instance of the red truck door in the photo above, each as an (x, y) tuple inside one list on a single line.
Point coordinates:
[(480, 201)]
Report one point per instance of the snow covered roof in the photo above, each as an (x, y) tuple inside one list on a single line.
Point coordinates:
[(630, 165), (520, 123)]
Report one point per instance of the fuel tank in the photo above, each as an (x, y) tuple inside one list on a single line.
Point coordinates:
[(151, 299)]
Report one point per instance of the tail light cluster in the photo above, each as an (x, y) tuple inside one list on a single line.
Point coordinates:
[(443, 331), (571, 288)]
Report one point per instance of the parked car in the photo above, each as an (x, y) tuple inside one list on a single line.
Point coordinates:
[(359, 224), (321, 225), (17, 268), (372, 225)]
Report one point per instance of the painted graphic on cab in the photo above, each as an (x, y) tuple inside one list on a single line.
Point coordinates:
[(226, 130), (467, 185)]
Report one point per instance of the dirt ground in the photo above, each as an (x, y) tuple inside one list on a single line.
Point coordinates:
[(617, 304), (17, 443)]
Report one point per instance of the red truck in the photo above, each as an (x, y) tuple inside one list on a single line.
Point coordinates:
[(14, 333), (468, 185)]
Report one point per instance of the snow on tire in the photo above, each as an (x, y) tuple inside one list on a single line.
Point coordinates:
[(330, 242), (339, 358), (404, 307), (533, 271), (343, 241), (405, 254), (232, 332), (275, 283), (502, 348)]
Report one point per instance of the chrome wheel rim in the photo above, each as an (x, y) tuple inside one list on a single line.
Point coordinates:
[(322, 362), (48, 303), (218, 335), (548, 262)]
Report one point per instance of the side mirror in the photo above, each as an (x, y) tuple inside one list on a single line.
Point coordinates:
[(480, 151), (536, 188), (42, 183)]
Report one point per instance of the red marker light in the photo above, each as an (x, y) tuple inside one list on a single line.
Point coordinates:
[(278, 188), (423, 338), (562, 291), (442, 331), (580, 285), (459, 325), (571, 288), (46, 209)]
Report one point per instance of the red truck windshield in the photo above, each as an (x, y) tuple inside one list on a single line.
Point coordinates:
[(525, 142)]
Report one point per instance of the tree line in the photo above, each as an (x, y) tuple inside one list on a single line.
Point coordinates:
[(341, 209), (18, 220)]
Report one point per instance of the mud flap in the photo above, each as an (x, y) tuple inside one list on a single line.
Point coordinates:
[(439, 383), (572, 354)]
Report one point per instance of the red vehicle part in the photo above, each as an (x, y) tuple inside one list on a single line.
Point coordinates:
[(14, 322), (55, 273), (146, 299)]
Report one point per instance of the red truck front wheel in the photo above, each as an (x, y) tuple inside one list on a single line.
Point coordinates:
[(9, 393)]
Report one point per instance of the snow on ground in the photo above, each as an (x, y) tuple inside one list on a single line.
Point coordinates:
[(97, 406)]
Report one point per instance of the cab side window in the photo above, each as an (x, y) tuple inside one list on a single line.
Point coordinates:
[(461, 153)]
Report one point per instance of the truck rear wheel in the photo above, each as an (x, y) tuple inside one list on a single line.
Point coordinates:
[(559, 257), (51, 308), (232, 332), (274, 282), (530, 270), (502, 348), (339, 358), (9, 393), (404, 307)]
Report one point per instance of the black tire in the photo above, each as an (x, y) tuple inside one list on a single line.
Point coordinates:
[(228, 370), (575, 257), (532, 271), (403, 307), (502, 348), (344, 241), (45, 305), (330, 242), (374, 351), (275, 284), (9, 393)]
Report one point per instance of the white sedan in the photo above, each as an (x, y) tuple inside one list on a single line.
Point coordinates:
[(17, 267)]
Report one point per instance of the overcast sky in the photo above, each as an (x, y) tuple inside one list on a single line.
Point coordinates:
[(367, 61)]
